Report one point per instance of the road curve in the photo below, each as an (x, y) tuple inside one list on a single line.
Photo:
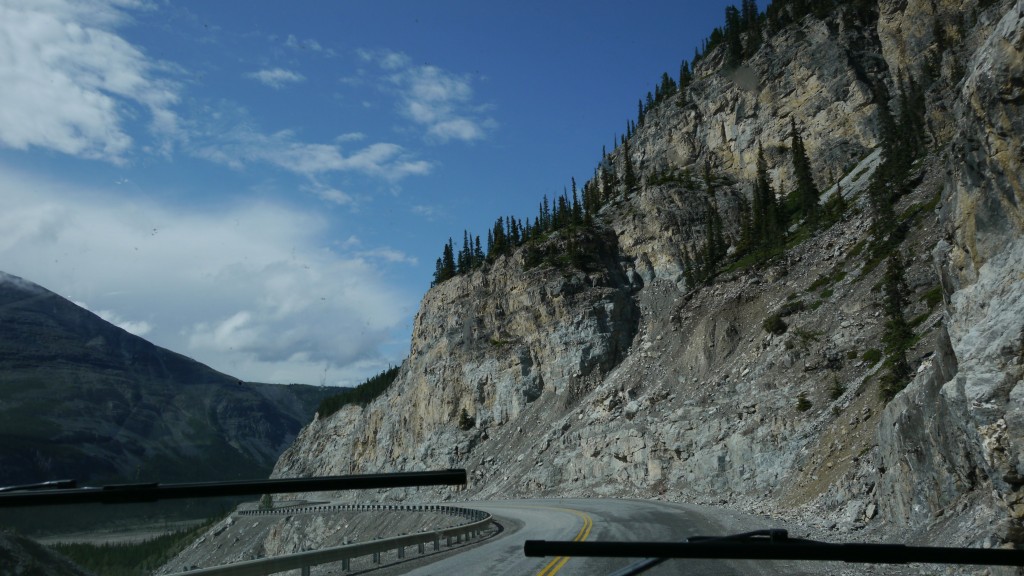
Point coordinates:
[(603, 519)]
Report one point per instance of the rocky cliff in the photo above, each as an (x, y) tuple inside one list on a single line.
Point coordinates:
[(614, 377)]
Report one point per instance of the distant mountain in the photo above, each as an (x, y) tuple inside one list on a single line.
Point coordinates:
[(83, 399)]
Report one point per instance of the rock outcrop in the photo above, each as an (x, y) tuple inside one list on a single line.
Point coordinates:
[(615, 377)]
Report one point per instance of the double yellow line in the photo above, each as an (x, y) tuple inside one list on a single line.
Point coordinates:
[(556, 564)]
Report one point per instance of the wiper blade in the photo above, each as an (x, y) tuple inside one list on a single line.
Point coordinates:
[(40, 486), (776, 545), (150, 492)]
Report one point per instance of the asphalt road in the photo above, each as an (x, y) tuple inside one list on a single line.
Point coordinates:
[(603, 519)]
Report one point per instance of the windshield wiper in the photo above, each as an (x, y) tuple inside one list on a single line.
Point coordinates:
[(40, 485), (43, 494), (775, 545)]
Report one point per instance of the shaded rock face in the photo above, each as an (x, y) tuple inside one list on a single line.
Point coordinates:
[(81, 398), (624, 381), (954, 439)]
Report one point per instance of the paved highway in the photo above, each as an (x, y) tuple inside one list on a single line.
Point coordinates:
[(604, 519)]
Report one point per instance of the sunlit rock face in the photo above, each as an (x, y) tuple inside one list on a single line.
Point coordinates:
[(618, 378)]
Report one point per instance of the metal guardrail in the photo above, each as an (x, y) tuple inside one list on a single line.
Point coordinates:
[(315, 508), (345, 554)]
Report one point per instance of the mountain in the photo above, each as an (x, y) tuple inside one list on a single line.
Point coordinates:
[(864, 372), (83, 399)]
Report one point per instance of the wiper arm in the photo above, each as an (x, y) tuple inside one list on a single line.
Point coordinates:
[(120, 493), (776, 545)]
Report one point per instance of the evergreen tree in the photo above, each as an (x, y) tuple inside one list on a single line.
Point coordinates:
[(714, 241), (897, 336), (752, 25), (806, 193), (668, 86), (563, 212), (478, 253), (577, 209), (438, 273), (629, 176), (768, 227), (497, 247), (733, 41), (746, 242), (448, 269)]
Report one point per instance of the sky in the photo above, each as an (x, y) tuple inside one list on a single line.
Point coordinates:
[(266, 186)]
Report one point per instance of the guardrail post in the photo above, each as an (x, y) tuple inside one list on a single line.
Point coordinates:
[(401, 552), (346, 564), (437, 544), (376, 557), (421, 548), (305, 571)]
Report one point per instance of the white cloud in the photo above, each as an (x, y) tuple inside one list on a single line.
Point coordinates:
[(332, 195), (253, 290), (456, 128), (428, 211), (389, 255), (70, 82), (136, 327), (434, 98), (351, 137), (277, 77), (244, 145), (308, 44)]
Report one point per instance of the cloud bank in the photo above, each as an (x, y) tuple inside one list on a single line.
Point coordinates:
[(252, 290), (70, 83)]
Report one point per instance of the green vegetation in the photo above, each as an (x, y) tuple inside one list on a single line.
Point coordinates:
[(802, 403), (774, 324), (898, 336), (932, 297), (362, 394), (131, 559), (917, 320), (872, 356), (806, 336), (804, 199), (466, 422), (791, 307)]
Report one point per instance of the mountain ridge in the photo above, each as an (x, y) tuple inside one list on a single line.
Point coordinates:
[(698, 400), (87, 400)]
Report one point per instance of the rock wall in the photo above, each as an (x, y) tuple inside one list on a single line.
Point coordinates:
[(953, 440), (618, 379)]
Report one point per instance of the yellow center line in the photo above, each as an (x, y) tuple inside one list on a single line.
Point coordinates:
[(556, 564)]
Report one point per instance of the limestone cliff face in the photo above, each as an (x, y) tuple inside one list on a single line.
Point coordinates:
[(614, 377), (953, 441), (496, 344)]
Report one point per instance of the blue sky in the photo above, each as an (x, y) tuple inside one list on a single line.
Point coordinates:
[(265, 186)]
